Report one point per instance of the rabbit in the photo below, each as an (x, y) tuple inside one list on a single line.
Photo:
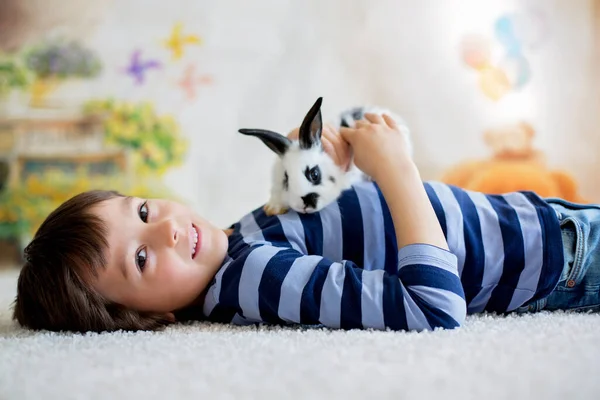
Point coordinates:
[(304, 177)]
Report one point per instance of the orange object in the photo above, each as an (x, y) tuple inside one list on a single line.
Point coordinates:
[(514, 166)]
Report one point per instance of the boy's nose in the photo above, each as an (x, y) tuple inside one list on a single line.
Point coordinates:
[(169, 232)]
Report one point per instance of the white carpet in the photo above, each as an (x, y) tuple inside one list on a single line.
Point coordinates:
[(545, 356)]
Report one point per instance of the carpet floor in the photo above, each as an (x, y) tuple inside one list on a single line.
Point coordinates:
[(541, 356)]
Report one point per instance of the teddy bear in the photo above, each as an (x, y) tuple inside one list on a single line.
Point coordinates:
[(515, 165), (513, 142)]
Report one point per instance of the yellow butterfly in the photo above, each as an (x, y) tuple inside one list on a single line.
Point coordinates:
[(177, 40)]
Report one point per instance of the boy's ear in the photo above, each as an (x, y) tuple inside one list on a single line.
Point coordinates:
[(275, 141), (312, 127)]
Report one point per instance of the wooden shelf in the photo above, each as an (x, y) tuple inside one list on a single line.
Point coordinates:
[(65, 142)]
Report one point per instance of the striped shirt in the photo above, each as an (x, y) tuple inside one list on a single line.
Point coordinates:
[(341, 267)]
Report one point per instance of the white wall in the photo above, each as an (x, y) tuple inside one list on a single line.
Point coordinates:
[(272, 58)]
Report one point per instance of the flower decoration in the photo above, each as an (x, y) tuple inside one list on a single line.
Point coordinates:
[(59, 59), (177, 40)]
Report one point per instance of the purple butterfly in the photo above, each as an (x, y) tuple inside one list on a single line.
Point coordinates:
[(137, 68)]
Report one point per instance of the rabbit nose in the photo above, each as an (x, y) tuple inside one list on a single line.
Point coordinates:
[(310, 200)]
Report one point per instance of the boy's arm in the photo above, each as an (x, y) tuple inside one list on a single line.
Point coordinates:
[(281, 285), (380, 150), (411, 210)]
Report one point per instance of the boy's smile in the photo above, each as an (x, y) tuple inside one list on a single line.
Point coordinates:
[(161, 255), (195, 242)]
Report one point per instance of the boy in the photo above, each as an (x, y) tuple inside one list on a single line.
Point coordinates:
[(397, 254)]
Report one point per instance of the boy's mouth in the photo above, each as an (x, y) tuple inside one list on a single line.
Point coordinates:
[(194, 240)]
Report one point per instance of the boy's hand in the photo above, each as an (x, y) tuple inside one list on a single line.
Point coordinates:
[(333, 144), (378, 144)]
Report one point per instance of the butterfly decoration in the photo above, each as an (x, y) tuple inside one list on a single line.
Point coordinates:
[(191, 80), (177, 40), (514, 33), (137, 68)]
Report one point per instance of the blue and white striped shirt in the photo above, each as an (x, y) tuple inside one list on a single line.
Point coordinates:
[(341, 267)]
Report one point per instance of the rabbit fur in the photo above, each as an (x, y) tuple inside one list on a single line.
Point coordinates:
[(304, 177)]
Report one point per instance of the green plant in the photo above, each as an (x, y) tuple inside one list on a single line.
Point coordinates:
[(155, 140), (13, 75), (61, 59)]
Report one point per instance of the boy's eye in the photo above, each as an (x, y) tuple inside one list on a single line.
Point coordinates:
[(140, 259), (143, 212)]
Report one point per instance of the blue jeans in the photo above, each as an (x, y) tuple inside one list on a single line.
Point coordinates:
[(579, 284)]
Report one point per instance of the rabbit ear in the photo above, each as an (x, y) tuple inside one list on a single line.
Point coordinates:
[(312, 126), (275, 141)]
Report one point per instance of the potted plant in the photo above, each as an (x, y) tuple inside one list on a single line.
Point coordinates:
[(56, 62), (154, 140), (14, 80)]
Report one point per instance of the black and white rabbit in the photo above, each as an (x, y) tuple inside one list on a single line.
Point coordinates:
[(304, 177)]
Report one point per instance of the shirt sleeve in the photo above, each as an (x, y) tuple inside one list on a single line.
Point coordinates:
[(282, 285)]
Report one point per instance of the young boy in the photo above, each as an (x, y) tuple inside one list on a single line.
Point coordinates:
[(397, 254)]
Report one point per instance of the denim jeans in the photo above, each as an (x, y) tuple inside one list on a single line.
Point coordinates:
[(579, 285)]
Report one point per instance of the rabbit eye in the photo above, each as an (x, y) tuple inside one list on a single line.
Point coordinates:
[(313, 175), (285, 180)]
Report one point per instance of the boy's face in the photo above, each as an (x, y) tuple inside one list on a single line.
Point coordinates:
[(154, 263)]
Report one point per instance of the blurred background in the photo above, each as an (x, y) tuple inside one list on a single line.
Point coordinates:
[(146, 97)]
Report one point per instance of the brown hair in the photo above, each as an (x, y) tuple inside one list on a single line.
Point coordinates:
[(67, 250)]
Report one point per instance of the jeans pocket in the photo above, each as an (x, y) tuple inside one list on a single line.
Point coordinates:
[(578, 287), (573, 249)]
